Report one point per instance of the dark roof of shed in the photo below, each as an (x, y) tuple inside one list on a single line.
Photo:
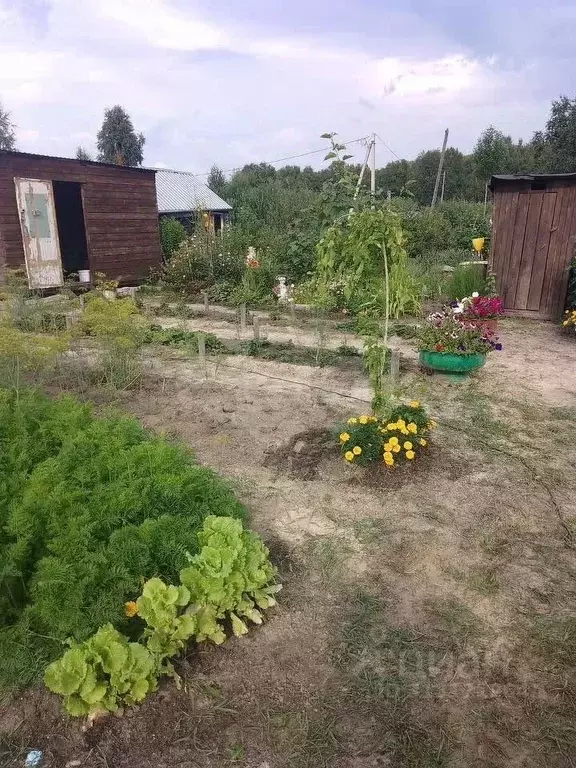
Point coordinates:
[(32, 155), (510, 178)]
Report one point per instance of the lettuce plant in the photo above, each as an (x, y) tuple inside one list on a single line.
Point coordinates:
[(102, 673), (231, 579)]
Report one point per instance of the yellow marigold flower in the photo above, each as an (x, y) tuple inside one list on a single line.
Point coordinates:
[(389, 462), (400, 423), (349, 456), (566, 322), (373, 419), (356, 450), (392, 426), (414, 404), (363, 419), (344, 437), (388, 456), (396, 448), (393, 441), (410, 454), (353, 421), (412, 427), (432, 424), (408, 445), (388, 447), (130, 608), (423, 442), (404, 431)]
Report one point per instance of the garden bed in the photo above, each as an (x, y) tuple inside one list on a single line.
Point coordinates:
[(419, 622)]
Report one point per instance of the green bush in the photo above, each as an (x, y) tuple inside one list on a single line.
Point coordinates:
[(467, 220), (450, 226), (467, 279), (88, 508), (172, 233), (120, 329), (204, 259)]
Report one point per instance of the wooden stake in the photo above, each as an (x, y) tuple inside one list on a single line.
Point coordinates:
[(292, 312), (202, 351), (256, 327), (395, 365), (243, 318), (206, 302)]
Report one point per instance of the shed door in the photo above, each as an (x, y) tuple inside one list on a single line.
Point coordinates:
[(39, 232), (525, 249)]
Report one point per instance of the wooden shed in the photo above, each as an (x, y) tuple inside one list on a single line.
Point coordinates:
[(533, 238), (60, 216)]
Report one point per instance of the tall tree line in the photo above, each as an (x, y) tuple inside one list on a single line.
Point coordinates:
[(552, 150)]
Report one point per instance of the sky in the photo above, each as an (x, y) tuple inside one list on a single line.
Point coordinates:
[(233, 82)]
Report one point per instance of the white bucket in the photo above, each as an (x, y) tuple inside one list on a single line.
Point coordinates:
[(84, 275)]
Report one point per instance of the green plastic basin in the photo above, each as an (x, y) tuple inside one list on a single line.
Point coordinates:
[(451, 363)]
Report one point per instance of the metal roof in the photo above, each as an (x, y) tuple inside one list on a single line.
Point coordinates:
[(180, 191)]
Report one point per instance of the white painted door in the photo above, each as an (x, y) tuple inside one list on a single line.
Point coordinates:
[(39, 232)]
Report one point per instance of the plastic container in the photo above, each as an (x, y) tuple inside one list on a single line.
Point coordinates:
[(448, 362), (84, 275)]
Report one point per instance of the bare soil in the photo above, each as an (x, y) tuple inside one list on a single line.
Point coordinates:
[(428, 616)]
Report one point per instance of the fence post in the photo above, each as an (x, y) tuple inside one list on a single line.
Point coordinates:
[(243, 318), (206, 302)]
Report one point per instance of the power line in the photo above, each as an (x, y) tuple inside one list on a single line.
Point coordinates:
[(388, 148), (281, 160)]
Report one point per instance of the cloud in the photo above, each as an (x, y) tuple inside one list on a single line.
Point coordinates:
[(212, 84)]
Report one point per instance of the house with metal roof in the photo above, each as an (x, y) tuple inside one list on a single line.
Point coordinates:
[(181, 195)]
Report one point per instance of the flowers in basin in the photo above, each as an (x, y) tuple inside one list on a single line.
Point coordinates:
[(450, 333)]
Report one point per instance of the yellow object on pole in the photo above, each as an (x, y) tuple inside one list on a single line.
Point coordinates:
[(478, 243)]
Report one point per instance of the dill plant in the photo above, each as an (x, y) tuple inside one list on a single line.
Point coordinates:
[(88, 508)]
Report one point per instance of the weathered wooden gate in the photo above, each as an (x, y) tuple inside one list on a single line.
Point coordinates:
[(533, 236)]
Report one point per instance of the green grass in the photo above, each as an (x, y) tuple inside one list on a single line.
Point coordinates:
[(453, 625), (386, 689), (483, 580)]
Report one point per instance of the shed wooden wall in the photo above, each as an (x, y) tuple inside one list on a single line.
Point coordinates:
[(120, 212), (533, 238)]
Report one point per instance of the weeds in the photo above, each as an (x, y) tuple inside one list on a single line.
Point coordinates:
[(287, 352), (390, 697)]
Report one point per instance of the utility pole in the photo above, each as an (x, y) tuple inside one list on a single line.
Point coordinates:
[(373, 168), (440, 166), (368, 149), (443, 186), (485, 198)]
